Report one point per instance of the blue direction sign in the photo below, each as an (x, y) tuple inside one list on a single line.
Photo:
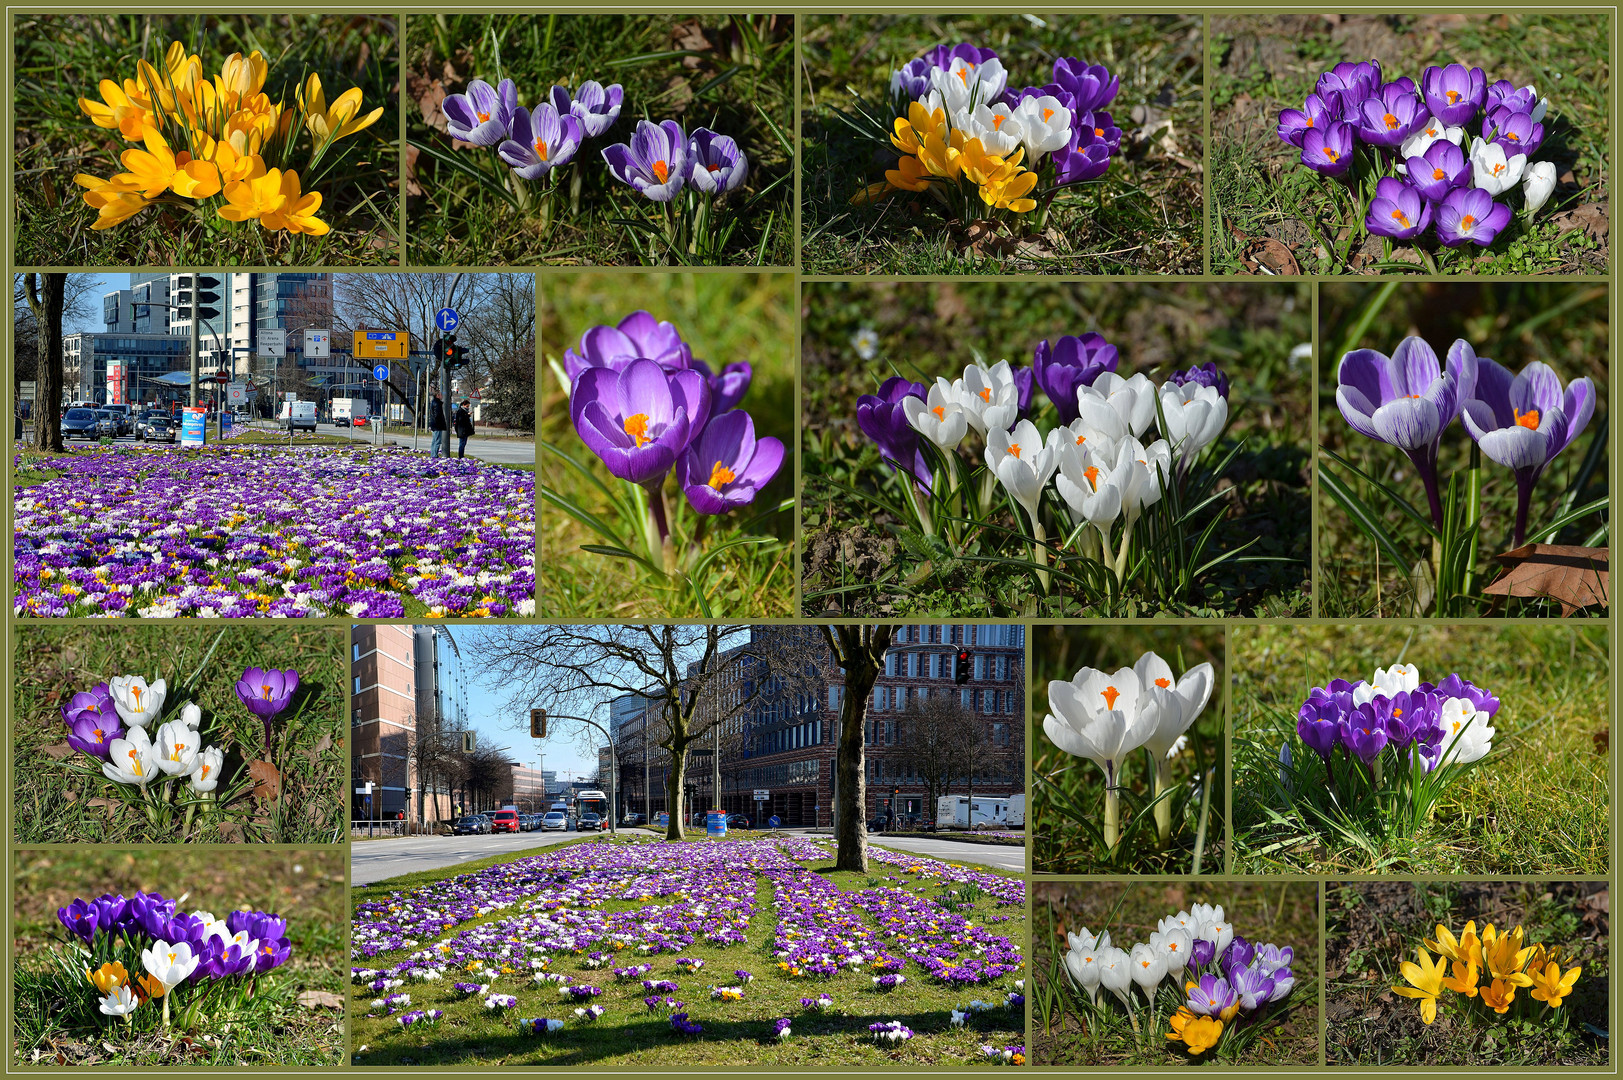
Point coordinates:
[(446, 319), (381, 373)]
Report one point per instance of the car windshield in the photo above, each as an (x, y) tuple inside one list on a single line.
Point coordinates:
[(79, 414)]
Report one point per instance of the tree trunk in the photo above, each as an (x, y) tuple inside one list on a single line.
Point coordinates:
[(47, 310), (676, 782), (851, 825)]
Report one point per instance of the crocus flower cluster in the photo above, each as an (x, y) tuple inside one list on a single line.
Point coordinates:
[(217, 141), (649, 409), (1105, 716), (140, 949), (1099, 470), (661, 159), (1481, 974), (962, 130), (1409, 399), (1397, 718), (1216, 980), (531, 142), (1426, 174)]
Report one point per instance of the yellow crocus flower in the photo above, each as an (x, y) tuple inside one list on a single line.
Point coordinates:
[(149, 171), (253, 198), (108, 976), (1499, 995), (1551, 986), (296, 213), (117, 111), (1504, 958), (909, 175), (1010, 193), (941, 157), (114, 200), (241, 77), (1464, 979), (1198, 1033), (1466, 947), (1427, 980), (338, 120)]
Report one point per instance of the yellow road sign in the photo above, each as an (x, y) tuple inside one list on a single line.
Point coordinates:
[(385, 344)]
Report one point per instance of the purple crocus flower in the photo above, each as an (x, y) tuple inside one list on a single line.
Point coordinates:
[(1455, 686), (109, 912), (1506, 95), (1407, 400), (271, 954), (96, 702), (1091, 86), (1397, 211), (1251, 985), (942, 56), (1469, 215), (1523, 421), (484, 115), (1201, 952), (655, 162), (1207, 374), (911, 81), (1517, 132), (1389, 117), (638, 336), (222, 962), (1103, 126), (881, 418), (91, 732), (1069, 363), (1238, 954), (1085, 157), (1270, 957), (540, 141), (1212, 995), (1283, 981), (1318, 724), (1454, 93), (727, 387), (259, 924), (639, 420), (1329, 151), (1316, 112), (717, 164), (267, 691), (1363, 733), (726, 467), (1441, 169), (79, 918), (595, 106), (1352, 83)]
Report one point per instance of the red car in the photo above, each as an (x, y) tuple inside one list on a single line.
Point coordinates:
[(361, 421), (504, 821)]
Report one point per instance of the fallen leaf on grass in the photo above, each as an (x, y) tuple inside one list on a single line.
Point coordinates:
[(267, 780), (111, 804), (1577, 577), (1267, 256), (1593, 218), (57, 751), (320, 999)]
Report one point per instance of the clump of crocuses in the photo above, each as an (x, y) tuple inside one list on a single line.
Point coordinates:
[(651, 412), (1440, 157), (1214, 987), (1488, 977), (149, 963)]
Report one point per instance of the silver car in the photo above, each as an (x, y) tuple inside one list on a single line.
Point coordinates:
[(556, 821)]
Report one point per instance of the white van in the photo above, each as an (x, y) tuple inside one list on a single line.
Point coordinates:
[(298, 415)]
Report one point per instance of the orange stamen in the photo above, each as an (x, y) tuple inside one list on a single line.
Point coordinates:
[(721, 474), (1528, 419), (662, 170), (636, 426), (1110, 694)]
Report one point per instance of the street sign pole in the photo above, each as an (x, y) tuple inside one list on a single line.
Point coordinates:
[(197, 332), (445, 372)]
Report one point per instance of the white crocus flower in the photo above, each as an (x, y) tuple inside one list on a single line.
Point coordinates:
[(169, 964), (131, 760), (1174, 946), (1175, 703), (177, 747), (1195, 416), (1084, 939), (1467, 734), (205, 774), (1202, 916), (1082, 965), (1491, 170), (999, 130), (1097, 715), (1132, 400), (1089, 490), (191, 716), (1538, 181), (1148, 966), (1219, 932), (964, 85), (939, 418), (137, 703), (121, 1001), (990, 398), (1116, 975), (1023, 464), (1387, 683), (1046, 126), (1099, 442)]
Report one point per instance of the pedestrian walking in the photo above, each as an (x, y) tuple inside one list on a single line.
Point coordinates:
[(463, 422), (438, 444)]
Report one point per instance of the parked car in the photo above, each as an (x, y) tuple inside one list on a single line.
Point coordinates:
[(632, 819), (154, 427), (556, 821), (361, 421), (504, 821), (472, 825), (739, 821), (107, 423), (81, 424), (588, 822)]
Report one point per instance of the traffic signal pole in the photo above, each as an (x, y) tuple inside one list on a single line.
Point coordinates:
[(197, 332)]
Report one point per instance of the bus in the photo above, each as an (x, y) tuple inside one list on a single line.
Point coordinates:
[(592, 802)]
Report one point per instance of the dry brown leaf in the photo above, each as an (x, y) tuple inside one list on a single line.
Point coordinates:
[(1593, 218), (58, 751), (1265, 255), (110, 804), (413, 188), (1577, 577), (267, 780), (320, 999)]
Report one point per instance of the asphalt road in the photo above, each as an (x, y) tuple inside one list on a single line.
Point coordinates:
[(497, 451), (374, 860)]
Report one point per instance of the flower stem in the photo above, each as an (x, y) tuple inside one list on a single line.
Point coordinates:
[(1039, 548), (1112, 808), (1524, 499), (1163, 807), (660, 551)]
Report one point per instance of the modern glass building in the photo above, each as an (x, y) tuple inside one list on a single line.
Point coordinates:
[(121, 366)]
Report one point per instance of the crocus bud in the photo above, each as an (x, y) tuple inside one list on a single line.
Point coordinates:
[(1537, 184), (1201, 953)]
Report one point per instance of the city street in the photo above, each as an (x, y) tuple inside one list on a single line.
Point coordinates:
[(374, 860), (496, 451), (1003, 857)]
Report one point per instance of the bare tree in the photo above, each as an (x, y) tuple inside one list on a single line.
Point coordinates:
[(859, 652), (933, 730)]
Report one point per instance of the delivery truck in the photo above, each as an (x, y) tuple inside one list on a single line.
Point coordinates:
[(962, 812), (347, 410)]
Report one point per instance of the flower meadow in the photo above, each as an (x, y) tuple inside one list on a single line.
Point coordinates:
[(1520, 421), (218, 145), (1211, 987), (844, 958), (255, 531), (151, 965), (1417, 173), (673, 430)]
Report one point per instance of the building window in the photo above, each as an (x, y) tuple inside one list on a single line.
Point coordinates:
[(357, 684)]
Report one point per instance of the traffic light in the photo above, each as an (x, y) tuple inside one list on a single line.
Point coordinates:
[(459, 355), (960, 666), (445, 351), (205, 294), (538, 723)]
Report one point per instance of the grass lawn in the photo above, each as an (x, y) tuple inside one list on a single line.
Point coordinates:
[(725, 318), (1543, 807), (1068, 1031), (57, 1022), (1270, 210), (52, 805), (61, 58), (1515, 323), (1067, 801), (730, 73), (1142, 217), (1373, 926), (547, 901), (863, 554)]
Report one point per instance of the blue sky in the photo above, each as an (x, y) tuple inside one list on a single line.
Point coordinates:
[(104, 283)]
